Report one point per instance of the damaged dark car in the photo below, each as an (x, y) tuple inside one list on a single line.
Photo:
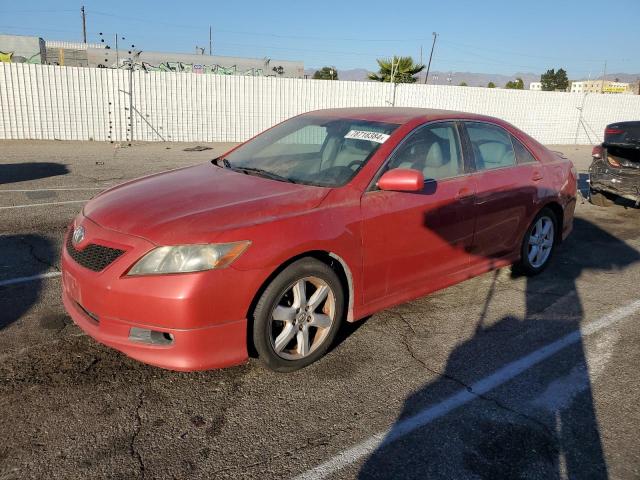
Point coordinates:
[(615, 170)]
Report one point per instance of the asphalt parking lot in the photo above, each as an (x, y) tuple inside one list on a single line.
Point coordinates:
[(498, 377)]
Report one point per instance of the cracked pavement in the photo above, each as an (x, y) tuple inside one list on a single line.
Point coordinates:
[(76, 409)]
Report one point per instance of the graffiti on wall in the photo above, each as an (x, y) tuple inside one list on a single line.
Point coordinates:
[(10, 57), (196, 68)]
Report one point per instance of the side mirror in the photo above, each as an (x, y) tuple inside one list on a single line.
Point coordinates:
[(402, 180)]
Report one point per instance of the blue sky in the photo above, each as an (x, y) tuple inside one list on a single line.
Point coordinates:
[(480, 36)]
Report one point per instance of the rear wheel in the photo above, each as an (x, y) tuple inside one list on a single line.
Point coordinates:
[(600, 199), (298, 315), (538, 243)]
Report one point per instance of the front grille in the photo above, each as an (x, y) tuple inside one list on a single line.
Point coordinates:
[(94, 257)]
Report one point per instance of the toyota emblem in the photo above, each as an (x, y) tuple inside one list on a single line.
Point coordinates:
[(78, 235)]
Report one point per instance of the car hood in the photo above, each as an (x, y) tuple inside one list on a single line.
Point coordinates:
[(194, 204)]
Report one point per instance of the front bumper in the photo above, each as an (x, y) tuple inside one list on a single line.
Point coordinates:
[(204, 348), (203, 314)]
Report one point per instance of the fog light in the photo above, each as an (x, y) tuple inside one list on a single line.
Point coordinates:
[(152, 337)]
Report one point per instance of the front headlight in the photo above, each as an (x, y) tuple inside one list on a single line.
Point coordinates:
[(188, 258)]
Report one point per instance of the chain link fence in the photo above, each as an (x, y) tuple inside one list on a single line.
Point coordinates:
[(74, 103)]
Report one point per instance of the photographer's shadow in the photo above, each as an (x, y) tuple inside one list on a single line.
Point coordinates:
[(28, 257), (541, 424)]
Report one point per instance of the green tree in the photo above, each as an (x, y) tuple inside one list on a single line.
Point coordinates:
[(326, 73), (562, 81), (517, 85), (463, 84), (402, 69), (491, 85), (554, 81)]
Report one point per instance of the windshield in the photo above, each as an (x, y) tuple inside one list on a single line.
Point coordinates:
[(311, 150)]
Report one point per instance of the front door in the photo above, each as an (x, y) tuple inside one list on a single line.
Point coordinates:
[(413, 241)]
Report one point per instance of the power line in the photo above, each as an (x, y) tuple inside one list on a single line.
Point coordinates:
[(20, 12), (474, 49), (254, 33), (29, 29)]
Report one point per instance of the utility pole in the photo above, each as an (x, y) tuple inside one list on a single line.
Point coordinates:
[(393, 80), (84, 25), (210, 49), (117, 55), (420, 54), (392, 72), (604, 75), (433, 45)]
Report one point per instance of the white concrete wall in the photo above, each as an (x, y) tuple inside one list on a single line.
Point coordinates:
[(69, 103)]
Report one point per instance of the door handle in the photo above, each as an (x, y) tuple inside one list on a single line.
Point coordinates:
[(537, 176), (464, 193)]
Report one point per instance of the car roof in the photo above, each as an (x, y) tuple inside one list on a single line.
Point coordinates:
[(399, 115)]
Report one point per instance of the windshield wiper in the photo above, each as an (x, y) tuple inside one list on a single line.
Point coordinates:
[(261, 173), (221, 162)]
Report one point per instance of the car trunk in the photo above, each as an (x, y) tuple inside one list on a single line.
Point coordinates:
[(624, 135), (622, 146), (626, 159)]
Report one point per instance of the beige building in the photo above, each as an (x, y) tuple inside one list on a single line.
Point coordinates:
[(535, 86), (599, 86)]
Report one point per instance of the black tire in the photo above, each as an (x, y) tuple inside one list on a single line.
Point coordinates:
[(274, 294), (525, 265), (600, 199)]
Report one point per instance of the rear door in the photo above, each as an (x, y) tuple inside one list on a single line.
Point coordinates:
[(506, 180)]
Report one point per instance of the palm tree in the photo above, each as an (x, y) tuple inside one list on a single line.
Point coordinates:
[(397, 70)]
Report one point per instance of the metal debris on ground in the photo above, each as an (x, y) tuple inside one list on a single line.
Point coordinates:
[(197, 148)]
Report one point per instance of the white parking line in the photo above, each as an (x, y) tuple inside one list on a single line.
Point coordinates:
[(56, 189), (13, 281), (498, 378), (42, 204)]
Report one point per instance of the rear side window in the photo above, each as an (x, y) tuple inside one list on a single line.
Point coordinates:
[(522, 154), (492, 147)]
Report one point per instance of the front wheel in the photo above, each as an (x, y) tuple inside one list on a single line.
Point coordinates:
[(538, 243), (298, 315)]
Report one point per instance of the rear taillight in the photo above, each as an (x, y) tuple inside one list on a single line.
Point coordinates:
[(613, 131), (597, 151), (612, 161)]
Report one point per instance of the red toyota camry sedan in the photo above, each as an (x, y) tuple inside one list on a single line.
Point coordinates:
[(327, 217)]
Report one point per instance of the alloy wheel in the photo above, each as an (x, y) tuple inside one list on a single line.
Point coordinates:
[(541, 242), (302, 318)]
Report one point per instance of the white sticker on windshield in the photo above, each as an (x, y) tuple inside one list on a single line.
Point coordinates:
[(364, 135)]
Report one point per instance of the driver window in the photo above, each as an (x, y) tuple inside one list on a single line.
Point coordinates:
[(433, 149)]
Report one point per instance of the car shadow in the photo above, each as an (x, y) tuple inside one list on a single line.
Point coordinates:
[(23, 256), (626, 203), (22, 172), (346, 330), (541, 424)]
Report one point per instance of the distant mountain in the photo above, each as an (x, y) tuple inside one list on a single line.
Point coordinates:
[(622, 77), (473, 79), (470, 78), (441, 78)]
